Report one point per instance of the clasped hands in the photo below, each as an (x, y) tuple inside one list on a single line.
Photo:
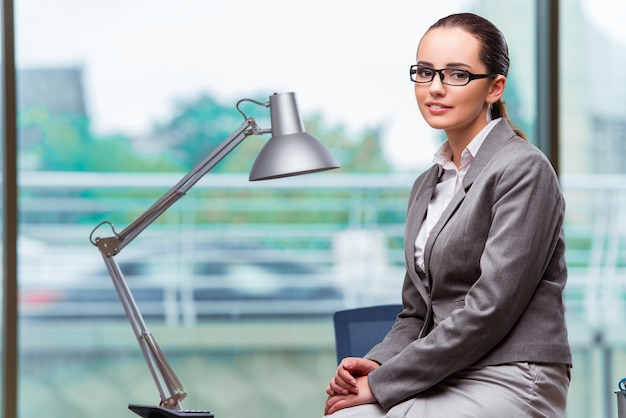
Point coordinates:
[(350, 386)]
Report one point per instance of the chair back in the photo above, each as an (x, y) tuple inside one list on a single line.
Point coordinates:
[(358, 330)]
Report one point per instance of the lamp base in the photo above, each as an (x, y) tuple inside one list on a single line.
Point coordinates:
[(148, 411)]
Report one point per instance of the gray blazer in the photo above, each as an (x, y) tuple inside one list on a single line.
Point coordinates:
[(495, 264)]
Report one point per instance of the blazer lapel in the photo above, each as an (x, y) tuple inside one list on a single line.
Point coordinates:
[(415, 216), (417, 210), (445, 216), (493, 143), (499, 135)]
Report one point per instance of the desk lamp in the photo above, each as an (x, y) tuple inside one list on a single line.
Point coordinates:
[(290, 151)]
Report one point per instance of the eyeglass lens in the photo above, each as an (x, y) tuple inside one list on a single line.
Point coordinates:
[(451, 76)]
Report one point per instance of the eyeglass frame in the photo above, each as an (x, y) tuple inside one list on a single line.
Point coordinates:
[(471, 76)]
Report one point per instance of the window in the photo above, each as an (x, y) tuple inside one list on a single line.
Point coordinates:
[(237, 281), (592, 133)]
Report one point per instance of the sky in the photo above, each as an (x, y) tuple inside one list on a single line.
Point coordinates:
[(345, 59), (608, 16)]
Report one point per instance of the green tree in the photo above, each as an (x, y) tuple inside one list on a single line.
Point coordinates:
[(358, 153), (201, 124), (197, 127), (65, 143)]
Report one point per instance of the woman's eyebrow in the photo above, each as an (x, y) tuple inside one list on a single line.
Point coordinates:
[(457, 65), (449, 65)]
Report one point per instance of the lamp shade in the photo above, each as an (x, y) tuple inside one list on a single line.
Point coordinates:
[(290, 151)]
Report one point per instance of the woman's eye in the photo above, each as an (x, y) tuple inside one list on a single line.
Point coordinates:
[(424, 72), (459, 75)]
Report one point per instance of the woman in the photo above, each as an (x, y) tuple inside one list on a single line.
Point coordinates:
[(482, 332)]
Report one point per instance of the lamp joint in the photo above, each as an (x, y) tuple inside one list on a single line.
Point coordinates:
[(109, 246), (173, 402)]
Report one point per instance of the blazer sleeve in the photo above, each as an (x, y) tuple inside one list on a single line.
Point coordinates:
[(524, 206), (407, 327)]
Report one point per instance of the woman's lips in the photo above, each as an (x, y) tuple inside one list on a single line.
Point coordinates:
[(437, 108)]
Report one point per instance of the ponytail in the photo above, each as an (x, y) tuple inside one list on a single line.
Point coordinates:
[(498, 110)]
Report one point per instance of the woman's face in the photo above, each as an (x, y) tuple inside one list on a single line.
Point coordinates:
[(459, 110)]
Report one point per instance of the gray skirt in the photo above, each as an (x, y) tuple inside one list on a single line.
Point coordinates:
[(511, 390)]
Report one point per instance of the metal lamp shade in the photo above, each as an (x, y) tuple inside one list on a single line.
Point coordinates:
[(290, 151)]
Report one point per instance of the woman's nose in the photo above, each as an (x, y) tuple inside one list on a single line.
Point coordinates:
[(437, 86)]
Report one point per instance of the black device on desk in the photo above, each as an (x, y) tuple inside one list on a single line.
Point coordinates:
[(148, 411)]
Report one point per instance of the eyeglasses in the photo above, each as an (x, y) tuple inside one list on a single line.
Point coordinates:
[(449, 76)]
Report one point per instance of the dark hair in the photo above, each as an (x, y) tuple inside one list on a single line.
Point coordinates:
[(494, 51)]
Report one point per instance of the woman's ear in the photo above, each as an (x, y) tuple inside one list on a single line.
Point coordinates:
[(496, 90)]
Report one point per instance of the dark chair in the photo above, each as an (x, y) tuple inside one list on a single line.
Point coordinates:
[(358, 330)]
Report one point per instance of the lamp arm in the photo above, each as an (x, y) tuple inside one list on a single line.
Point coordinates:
[(169, 386), (247, 128)]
